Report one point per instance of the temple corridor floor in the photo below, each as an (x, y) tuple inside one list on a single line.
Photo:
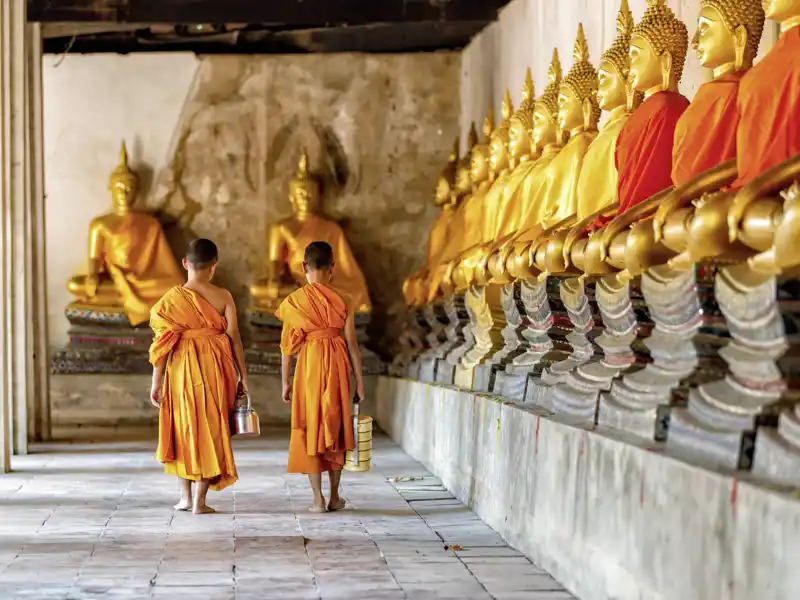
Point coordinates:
[(96, 521)]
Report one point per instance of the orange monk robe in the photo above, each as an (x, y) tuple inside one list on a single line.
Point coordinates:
[(349, 277), (531, 196), (706, 133), (597, 186), (313, 319), (769, 105), (199, 394), (644, 148), (560, 193), (140, 264)]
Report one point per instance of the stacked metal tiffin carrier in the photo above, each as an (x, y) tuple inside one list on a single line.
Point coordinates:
[(360, 459)]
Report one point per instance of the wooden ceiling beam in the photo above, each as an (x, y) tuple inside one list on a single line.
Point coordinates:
[(293, 13)]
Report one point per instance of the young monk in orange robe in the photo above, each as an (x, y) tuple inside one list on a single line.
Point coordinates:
[(319, 328), (198, 359)]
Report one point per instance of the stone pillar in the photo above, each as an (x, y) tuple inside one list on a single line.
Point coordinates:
[(23, 344)]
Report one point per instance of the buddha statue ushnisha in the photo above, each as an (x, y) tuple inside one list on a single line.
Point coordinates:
[(287, 241), (705, 150), (131, 265), (446, 198)]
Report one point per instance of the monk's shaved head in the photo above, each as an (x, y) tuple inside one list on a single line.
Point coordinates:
[(202, 254), (318, 256)]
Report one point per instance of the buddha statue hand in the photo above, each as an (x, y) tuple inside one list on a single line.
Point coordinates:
[(711, 181), (582, 227), (91, 284), (641, 211), (768, 184)]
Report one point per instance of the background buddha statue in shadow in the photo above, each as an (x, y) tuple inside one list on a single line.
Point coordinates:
[(287, 240), (130, 262)]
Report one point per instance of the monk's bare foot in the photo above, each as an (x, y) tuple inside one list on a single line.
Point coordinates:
[(203, 509), (184, 505), (318, 506), (336, 504)]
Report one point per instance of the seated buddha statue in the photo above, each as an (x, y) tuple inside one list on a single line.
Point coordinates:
[(705, 150), (131, 265), (658, 48), (768, 141), (287, 241), (439, 279), (597, 185), (445, 197)]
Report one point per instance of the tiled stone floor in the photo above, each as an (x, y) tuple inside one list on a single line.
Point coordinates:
[(96, 521)]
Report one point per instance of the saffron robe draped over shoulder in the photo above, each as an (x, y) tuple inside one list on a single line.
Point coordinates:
[(769, 105), (313, 319), (705, 136), (644, 148), (561, 191), (199, 394)]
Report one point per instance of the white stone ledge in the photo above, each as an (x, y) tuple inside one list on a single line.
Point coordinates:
[(607, 517)]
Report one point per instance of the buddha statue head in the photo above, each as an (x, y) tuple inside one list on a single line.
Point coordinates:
[(728, 34), (479, 157), (498, 140), (463, 184), (304, 188), (123, 183), (577, 98), (615, 67), (659, 43), (545, 131), (519, 138), (445, 185), (783, 11)]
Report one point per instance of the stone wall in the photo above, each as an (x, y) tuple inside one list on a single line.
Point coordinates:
[(610, 519), (526, 33), (377, 128)]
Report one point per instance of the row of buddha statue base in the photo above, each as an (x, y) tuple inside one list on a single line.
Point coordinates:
[(102, 341), (702, 362)]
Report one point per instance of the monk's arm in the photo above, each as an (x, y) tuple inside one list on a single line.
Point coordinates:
[(236, 340), (355, 354), (158, 381)]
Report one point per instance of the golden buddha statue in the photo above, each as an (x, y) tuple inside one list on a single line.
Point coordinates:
[(769, 102), (597, 186), (415, 289), (658, 49), (131, 265), (705, 149), (440, 277), (287, 241)]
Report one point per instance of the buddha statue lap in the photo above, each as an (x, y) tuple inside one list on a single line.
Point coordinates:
[(131, 266)]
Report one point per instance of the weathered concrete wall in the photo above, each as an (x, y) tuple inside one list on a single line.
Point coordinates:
[(108, 406), (609, 519)]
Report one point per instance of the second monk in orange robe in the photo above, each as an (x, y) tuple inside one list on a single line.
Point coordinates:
[(319, 328), (196, 354)]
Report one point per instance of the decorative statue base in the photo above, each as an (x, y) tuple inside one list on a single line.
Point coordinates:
[(684, 349), (412, 344), (722, 416), (459, 338), (777, 453), (578, 395), (102, 340), (263, 356)]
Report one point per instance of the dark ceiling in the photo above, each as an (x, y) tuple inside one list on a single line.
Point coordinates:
[(260, 26)]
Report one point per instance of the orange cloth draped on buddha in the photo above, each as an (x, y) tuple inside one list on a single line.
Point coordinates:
[(313, 319), (140, 263), (347, 273), (644, 148), (199, 394), (769, 105), (705, 135)]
